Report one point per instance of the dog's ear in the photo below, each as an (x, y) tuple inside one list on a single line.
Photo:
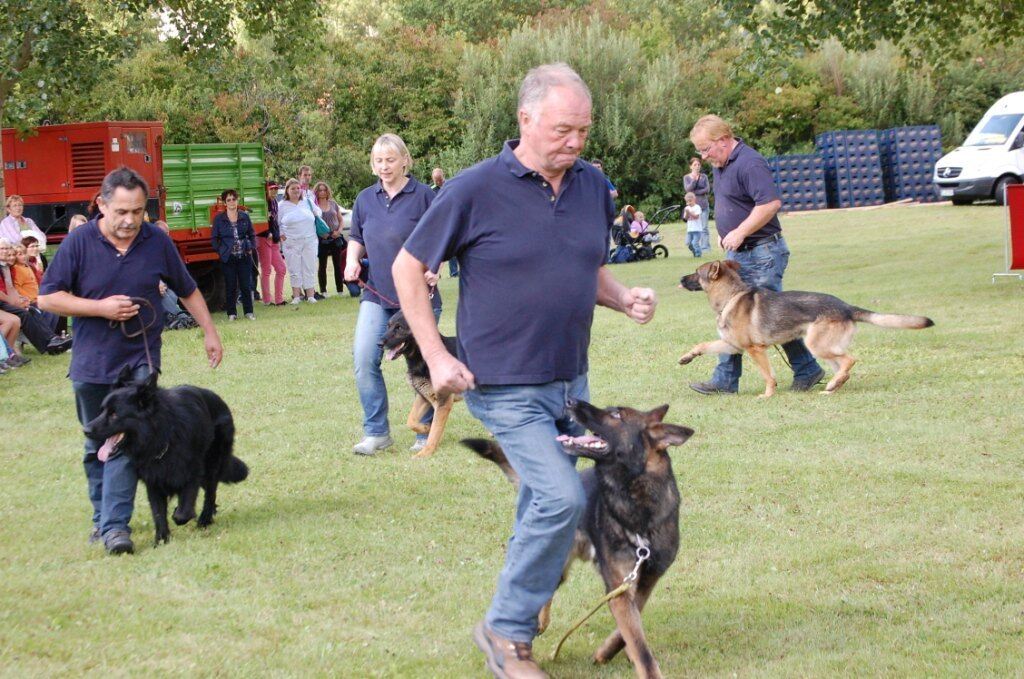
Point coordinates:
[(658, 414), (669, 434), (123, 377), (713, 270), (147, 390), (735, 266)]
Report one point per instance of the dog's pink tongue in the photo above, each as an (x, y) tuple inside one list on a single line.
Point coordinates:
[(108, 447)]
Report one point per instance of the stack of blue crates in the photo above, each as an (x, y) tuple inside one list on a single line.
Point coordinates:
[(801, 182), (909, 155), (853, 167)]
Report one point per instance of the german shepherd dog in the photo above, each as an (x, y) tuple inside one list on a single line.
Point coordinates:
[(752, 319), (398, 341), (178, 440), (632, 501)]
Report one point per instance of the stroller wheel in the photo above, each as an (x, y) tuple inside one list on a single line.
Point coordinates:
[(660, 252)]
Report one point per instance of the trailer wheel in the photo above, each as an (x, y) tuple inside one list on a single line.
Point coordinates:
[(211, 283)]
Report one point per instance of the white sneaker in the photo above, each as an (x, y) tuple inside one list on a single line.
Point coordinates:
[(232, 317), (371, 444), (311, 300), (296, 301), (418, 445), (251, 317)]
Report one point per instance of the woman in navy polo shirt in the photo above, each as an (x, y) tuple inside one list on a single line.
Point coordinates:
[(233, 238), (383, 216)]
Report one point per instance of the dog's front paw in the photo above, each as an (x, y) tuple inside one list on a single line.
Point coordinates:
[(183, 516), (162, 538), (204, 520), (686, 358)]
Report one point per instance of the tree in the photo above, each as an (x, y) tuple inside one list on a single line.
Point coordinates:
[(928, 27)]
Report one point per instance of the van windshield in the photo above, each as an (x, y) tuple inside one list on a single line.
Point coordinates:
[(994, 131)]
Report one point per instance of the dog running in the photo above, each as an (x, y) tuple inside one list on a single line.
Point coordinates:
[(398, 341), (752, 319), (632, 503), (178, 440)]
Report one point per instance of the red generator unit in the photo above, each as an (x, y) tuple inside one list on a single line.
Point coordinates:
[(58, 169)]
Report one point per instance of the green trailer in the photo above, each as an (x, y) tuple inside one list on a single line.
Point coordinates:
[(194, 175)]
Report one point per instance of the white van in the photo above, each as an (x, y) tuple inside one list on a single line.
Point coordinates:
[(991, 158)]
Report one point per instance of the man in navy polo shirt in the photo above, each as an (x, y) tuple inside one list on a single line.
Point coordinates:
[(746, 216), (529, 228), (96, 275)]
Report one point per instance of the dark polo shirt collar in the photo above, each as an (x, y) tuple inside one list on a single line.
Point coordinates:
[(516, 167)]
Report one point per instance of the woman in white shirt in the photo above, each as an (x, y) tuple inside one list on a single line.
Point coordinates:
[(296, 218)]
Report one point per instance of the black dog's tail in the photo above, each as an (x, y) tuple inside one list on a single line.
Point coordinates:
[(489, 450), (234, 470)]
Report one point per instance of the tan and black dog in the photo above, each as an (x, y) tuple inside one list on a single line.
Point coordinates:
[(398, 341), (632, 501), (753, 319)]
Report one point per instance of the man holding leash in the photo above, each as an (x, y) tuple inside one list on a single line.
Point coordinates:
[(529, 228), (107, 274), (746, 216)]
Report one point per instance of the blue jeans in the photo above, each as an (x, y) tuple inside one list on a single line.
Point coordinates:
[(371, 324), (237, 276), (112, 483), (453, 267), (695, 241), (763, 267), (525, 419)]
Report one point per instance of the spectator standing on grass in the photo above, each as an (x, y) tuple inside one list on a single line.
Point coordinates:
[(694, 224), (746, 216), (530, 230), (697, 183), (296, 216), (383, 216), (611, 187), (437, 181), (331, 245), (233, 239), (268, 248), (97, 275)]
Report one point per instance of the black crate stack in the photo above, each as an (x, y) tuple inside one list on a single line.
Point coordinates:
[(853, 167), (801, 182), (909, 155)]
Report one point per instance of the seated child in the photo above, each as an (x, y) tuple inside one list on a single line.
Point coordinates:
[(694, 227), (639, 225), (25, 277)]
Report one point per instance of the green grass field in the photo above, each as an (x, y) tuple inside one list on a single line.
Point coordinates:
[(874, 532)]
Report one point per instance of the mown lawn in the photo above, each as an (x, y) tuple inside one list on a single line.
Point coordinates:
[(874, 532)]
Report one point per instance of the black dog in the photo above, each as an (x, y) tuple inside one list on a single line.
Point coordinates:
[(398, 341), (632, 503), (177, 439)]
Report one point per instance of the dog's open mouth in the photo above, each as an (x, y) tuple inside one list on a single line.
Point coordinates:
[(394, 352), (585, 443), (109, 447)]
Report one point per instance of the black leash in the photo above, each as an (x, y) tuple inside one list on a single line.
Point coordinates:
[(141, 301)]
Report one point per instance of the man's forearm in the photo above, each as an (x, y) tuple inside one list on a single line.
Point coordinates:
[(407, 272), (63, 303), (758, 217), (609, 290)]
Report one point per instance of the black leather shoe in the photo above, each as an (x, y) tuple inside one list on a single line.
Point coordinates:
[(58, 345), (808, 383), (710, 388), (118, 542)]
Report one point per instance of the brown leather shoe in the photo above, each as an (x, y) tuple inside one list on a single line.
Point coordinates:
[(507, 659)]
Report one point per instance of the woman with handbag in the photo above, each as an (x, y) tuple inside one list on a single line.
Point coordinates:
[(383, 216), (234, 240), (297, 218), (332, 244)]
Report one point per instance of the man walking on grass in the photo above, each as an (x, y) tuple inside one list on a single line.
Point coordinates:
[(746, 216), (100, 271), (529, 228)]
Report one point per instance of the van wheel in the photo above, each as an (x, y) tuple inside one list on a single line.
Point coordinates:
[(1000, 190)]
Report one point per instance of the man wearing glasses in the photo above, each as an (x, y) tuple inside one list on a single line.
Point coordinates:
[(746, 216)]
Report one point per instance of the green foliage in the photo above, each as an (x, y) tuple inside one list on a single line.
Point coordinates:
[(477, 20)]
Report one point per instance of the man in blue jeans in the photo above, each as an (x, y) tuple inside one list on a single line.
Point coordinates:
[(746, 208), (529, 228), (98, 275)]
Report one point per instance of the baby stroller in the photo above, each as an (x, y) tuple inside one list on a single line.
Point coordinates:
[(645, 245)]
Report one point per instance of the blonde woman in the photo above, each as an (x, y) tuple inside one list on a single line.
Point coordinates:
[(383, 216), (15, 222), (296, 216)]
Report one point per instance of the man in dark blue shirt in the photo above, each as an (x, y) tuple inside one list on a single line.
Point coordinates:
[(100, 271), (746, 217), (529, 228)]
